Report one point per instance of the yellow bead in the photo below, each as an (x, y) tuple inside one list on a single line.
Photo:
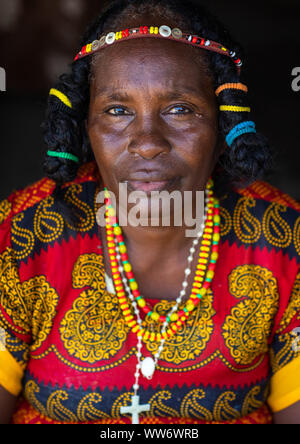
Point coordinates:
[(170, 332), (156, 30), (126, 312), (128, 318), (217, 219), (133, 285), (216, 237), (146, 335), (214, 256), (202, 291), (117, 231), (127, 267), (152, 337), (164, 335), (131, 324), (88, 48), (141, 332), (122, 249), (154, 316), (141, 303), (111, 212), (174, 317), (136, 329), (158, 337), (210, 274), (151, 29), (190, 306)]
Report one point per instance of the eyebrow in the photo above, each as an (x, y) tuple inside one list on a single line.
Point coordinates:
[(123, 95)]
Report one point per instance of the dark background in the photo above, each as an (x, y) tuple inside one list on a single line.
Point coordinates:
[(39, 38)]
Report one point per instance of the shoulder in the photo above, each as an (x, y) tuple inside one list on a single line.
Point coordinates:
[(33, 209), (262, 215), (25, 198)]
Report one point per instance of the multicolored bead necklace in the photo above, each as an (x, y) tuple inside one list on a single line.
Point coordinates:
[(118, 255), (175, 319)]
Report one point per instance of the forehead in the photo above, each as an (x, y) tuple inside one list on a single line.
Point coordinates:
[(151, 62)]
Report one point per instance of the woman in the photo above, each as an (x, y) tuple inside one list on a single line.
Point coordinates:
[(107, 324)]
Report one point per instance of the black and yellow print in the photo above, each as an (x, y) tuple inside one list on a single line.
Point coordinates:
[(31, 305), (204, 403), (256, 221), (94, 329), (246, 330), (5, 209), (191, 340)]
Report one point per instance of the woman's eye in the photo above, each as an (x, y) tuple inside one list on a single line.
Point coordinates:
[(180, 110), (117, 111)]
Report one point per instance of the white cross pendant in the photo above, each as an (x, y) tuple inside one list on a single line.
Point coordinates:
[(135, 408)]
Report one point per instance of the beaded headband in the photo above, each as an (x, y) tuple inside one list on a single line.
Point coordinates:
[(163, 31)]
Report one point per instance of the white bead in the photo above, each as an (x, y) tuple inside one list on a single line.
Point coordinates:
[(121, 268), (187, 271), (184, 284), (148, 367), (192, 250), (135, 386), (137, 374), (178, 300), (165, 31), (182, 293), (190, 258), (139, 354), (110, 38), (195, 241)]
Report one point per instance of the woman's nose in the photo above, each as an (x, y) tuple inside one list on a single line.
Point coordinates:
[(148, 140)]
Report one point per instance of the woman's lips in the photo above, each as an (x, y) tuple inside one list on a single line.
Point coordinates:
[(148, 186)]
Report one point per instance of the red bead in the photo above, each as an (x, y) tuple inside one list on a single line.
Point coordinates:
[(146, 309), (76, 58), (129, 274), (136, 293), (181, 313), (145, 29), (83, 50), (119, 238), (212, 266), (206, 284), (127, 32), (194, 40), (124, 257), (162, 318), (202, 41), (141, 30)]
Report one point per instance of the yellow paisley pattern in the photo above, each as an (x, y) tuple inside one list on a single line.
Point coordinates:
[(84, 212), (88, 408), (191, 340), (276, 230), (48, 225), (5, 208), (222, 410), (246, 330), (296, 235), (94, 329), (293, 307), (31, 305), (246, 226), (22, 237), (192, 408)]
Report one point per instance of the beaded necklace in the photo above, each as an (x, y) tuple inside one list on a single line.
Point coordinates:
[(123, 276)]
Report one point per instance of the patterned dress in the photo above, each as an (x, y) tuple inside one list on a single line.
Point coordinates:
[(67, 351)]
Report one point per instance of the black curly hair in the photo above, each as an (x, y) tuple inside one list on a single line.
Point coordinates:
[(248, 159)]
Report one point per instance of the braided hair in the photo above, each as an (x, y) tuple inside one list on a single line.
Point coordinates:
[(249, 157)]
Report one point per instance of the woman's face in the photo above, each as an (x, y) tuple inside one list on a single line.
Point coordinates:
[(153, 117)]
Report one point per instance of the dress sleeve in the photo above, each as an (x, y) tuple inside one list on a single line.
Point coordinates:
[(14, 322), (285, 355)]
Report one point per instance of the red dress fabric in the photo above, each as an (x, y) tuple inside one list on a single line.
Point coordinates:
[(67, 333)]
